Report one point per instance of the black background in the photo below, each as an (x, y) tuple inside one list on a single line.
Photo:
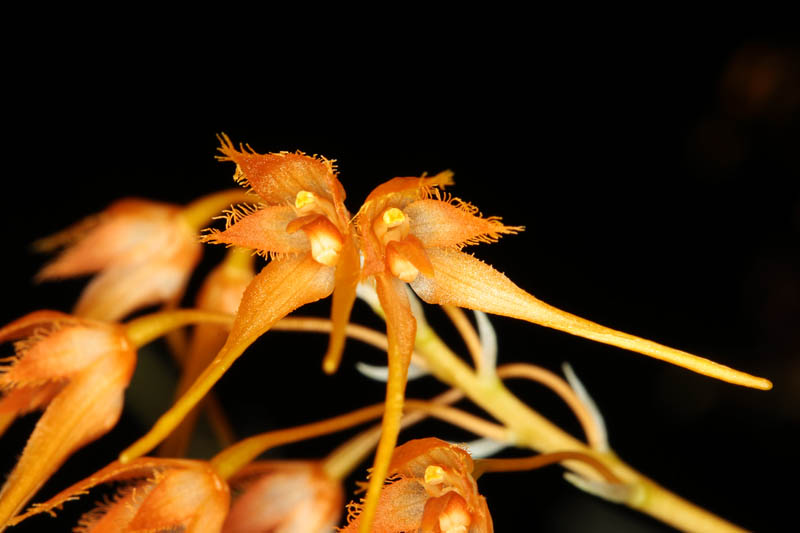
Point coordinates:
[(657, 180)]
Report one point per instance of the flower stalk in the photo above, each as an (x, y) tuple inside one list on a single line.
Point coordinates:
[(536, 432)]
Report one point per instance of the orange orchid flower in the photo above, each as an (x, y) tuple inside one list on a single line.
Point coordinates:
[(144, 252), (412, 233), (76, 369), (285, 496), (407, 232), (161, 495), (430, 490), (304, 227)]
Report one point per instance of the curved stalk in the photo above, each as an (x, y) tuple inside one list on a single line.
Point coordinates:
[(148, 328), (536, 432)]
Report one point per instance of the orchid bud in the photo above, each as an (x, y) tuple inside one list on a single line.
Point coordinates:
[(284, 497), (142, 251), (76, 370)]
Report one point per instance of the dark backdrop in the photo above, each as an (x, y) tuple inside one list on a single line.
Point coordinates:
[(656, 176)]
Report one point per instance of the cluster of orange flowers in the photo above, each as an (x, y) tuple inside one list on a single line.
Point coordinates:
[(408, 233)]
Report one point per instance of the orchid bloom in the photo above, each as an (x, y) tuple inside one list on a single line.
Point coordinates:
[(431, 490), (144, 252), (76, 369), (161, 495), (412, 233), (284, 497), (303, 226)]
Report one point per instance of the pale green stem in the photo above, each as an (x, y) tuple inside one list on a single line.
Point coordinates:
[(536, 432)]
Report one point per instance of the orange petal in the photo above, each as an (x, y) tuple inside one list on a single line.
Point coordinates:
[(405, 190), (155, 272), (194, 498), (21, 400), (122, 226), (278, 177), (400, 329), (24, 326), (406, 257), (86, 408), (60, 354), (453, 223), (298, 223), (370, 246), (448, 510), (149, 472), (280, 288), (413, 457), (264, 230), (288, 496), (344, 295), (141, 468), (462, 280), (400, 508)]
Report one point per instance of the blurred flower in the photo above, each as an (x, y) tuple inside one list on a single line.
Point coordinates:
[(77, 369), (430, 489), (284, 497), (143, 252), (161, 495)]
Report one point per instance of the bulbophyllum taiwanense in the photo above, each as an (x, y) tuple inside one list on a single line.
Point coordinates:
[(408, 235)]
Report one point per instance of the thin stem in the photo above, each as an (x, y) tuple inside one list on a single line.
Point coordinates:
[(354, 331), (536, 432), (537, 461), (560, 387), (323, 325), (462, 419), (468, 333), (219, 422), (232, 459), (341, 461), (200, 212), (229, 461), (145, 329)]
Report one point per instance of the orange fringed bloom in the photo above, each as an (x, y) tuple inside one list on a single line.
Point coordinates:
[(76, 369), (286, 497), (304, 227), (144, 252), (412, 233), (161, 495), (431, 489)]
